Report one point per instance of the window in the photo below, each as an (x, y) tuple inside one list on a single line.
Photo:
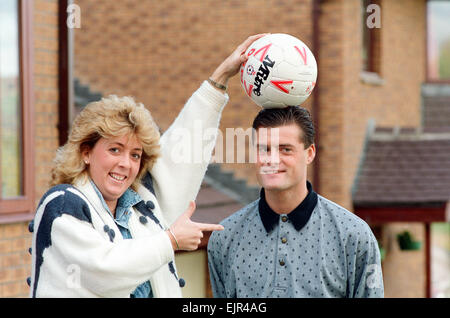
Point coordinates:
[(438, 40), (371, 40), (11, 125), (16, 152)]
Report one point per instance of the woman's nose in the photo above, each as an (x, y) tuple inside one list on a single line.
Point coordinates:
[(125, 161)]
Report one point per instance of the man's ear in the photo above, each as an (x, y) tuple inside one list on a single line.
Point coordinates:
[(310, 153)]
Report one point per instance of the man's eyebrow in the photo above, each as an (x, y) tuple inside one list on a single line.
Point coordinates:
[(286, 145), (280, 145)]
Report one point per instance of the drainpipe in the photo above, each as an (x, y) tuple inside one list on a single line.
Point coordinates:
[(63, 72), (316, 102)]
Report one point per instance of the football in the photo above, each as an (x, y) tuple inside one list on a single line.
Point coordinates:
[(280, 71)]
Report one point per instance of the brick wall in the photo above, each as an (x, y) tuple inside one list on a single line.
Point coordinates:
[(161, 51), (397, 101), (394, 103), (346, 103), (15, 239), (403, 271), (14, 260), (46, 90), (330, 79)]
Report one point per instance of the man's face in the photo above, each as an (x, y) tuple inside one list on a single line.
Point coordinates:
[(282, 158)]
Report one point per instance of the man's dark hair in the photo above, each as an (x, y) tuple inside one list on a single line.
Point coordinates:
[(276, 117)]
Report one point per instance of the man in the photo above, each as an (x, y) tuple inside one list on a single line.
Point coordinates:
[(292, 242)]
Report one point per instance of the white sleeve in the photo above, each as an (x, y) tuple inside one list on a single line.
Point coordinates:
[(108, 269), (186, 149)]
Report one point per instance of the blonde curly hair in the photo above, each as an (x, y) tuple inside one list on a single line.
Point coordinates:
[(112, 116)]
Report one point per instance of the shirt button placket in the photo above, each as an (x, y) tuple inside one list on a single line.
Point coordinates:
[(283, 240), (281, 285)]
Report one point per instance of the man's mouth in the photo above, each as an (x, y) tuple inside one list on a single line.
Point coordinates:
[(270, 170)]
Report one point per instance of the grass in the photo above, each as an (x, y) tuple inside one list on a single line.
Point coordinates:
[(440, 233), (10, 143)]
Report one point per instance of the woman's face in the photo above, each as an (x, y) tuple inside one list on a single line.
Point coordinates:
[(113, 164)]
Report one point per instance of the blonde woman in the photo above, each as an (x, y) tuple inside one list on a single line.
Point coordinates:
[(120, 204)]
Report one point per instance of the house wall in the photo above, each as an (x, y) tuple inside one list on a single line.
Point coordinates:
[(161, 51), (193, 268), (347, 104), (396, 102), (331, 100), (15, 239), (403, 271)]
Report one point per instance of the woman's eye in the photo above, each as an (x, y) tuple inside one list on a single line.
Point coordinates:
[(136, 156), (114, 150)]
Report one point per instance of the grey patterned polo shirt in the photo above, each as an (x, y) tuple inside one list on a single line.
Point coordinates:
[(318, 250)]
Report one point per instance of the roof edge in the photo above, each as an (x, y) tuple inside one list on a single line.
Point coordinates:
[(370, 130)]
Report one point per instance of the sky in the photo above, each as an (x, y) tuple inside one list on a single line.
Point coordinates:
[(9, 63), (439, 20)]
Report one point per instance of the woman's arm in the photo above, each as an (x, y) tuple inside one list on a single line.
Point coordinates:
[(108, 269), (185, 154), (64, 236)]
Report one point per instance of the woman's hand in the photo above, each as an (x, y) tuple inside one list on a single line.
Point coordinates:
[(230, 66), (188, 234)]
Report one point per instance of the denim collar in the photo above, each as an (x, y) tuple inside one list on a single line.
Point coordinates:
[(128, 199), (299, 216)]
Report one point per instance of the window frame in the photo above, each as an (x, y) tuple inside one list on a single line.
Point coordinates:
[(371, 71), (427, 39), (22, 208)]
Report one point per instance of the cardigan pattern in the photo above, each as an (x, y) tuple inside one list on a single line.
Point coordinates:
[(63, 203)]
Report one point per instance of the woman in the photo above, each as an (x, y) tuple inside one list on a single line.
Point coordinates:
[(110, 224)]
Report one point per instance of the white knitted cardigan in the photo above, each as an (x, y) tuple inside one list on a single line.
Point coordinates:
[(77, 249)]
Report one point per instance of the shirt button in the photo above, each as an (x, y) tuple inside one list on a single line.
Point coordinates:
[(284, 218), (284, 240), (282, 262)]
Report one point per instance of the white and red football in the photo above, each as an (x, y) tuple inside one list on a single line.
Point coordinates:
[(280, 71)]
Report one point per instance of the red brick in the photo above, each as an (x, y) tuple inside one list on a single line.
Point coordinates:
[(121, 50)]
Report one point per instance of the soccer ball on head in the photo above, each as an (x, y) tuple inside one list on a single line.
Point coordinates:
[(280, 71)]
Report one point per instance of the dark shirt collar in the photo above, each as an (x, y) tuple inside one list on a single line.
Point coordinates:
[(299, 216)]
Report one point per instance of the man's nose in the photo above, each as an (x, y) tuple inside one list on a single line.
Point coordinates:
[(271, 158)]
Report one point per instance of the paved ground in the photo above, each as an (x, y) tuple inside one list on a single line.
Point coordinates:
[(440, 272)]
